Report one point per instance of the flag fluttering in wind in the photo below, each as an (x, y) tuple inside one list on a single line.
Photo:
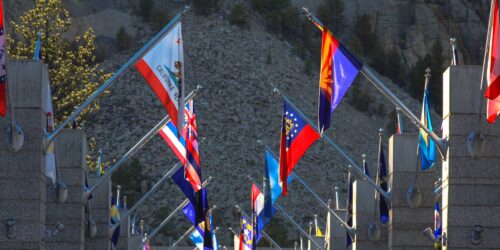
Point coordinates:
[(366, 170), (185, 147), (197, 239), (162, 67), (3, 69), (114, 215), (350, 183), (318, 232), (382, 175), (437, 220), (272, 174), (426, 148), (399, 124), (339, 68), (492, 93), (50, 155), (296, 137), (257, 212), (246, 235), (37, 55)]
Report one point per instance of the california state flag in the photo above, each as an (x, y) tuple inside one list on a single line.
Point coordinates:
[(493, 91), (162, 67)]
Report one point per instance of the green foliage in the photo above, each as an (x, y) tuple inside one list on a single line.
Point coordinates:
[(159, 216), (123, 39), (145, 9), (278, 232), (129, 177), (239, 16), (331, 13), (391, 125), (269, 5), (417, 77), (204, 7), (73, 72), (360, 97)]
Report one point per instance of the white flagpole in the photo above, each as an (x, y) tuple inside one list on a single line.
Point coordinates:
[(441, 143), (131, 61), (184, 236), (145, 139)]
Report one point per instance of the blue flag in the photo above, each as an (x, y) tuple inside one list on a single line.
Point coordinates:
[(38, 47), (384, 209), (426, 149), (366, 169), (350, 183), (197, 239)]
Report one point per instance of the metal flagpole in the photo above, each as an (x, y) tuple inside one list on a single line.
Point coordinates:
[(441, 143), (377, 179), (171, 215), (183, 237), (316, 196), (134, 149), (287, 216), (454, 52), (387, 195), (131, 61), (273, 243)]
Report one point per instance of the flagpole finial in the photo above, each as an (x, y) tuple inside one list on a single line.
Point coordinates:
[(186, 9), (428, 73), (307, 12), (363, 156), (453, 40), (380, 131)]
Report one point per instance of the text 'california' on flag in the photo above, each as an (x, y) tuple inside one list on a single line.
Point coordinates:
[(492, 93), (162, 67), (3, 70), (296, 137), (339, 68)]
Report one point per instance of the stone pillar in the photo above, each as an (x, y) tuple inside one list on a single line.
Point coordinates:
[(100, 204), (22, 178), (123, 243), (71, 152), (337, 232), (407, 224), (471, 187), (363, 210)]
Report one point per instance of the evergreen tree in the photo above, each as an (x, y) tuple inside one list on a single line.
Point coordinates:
[(363, 29), (73, 73), (435, 84), (331, 13), (204, 7), (239, 16), (123, 40)]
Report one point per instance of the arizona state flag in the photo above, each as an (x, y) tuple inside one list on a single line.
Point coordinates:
[(339, 68), (3, 70), (162, 67), (296, 137)]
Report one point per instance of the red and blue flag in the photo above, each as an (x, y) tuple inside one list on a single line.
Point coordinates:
[(296, 137), (339, 68)]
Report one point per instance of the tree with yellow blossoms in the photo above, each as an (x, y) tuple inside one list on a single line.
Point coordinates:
[(73, 72)]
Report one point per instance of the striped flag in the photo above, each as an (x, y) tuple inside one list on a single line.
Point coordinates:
[(492, 93), (50, 156), (162, 67), (257, 212)]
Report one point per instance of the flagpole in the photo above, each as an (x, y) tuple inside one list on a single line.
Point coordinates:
[(454, 52), (183, 237), (262, 232), (377, 179), (166, 220), (287, 216), (441, 143), (134, 149), (131, 61), (387, 195)]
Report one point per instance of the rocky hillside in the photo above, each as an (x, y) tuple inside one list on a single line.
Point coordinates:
[(238, 69)]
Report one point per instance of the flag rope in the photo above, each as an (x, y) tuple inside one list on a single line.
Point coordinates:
[(442, 143), (145, 139), (132, 60)]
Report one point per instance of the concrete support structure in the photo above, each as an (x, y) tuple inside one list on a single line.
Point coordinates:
[(406, 224), (100, 204), (471, 187), (71, 152), (23, 192), (337, 232), (363, 209)]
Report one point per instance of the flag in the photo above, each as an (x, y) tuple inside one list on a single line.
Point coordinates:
[(87, 187), (338, 70), (437, 220), (399, 124), (296, 137), (236, 242), (366, 170), (493, 90), (185, 146), (3, 69), (162, 67), (257, 212), (426, 150), (383, 208), (114, 215), (327, 231), (197, 239), (50, 156), (350, 183), (246, 236), (37, 55), (273, 181), (317, 228)]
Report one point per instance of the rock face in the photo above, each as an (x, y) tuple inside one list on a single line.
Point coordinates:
[(237, 105)]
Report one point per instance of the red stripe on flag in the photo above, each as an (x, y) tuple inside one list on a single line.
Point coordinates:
[(159, 90), (493, 89), (3, 99), (179, 155), (300, 145)]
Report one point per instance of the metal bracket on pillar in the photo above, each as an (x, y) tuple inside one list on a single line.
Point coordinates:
[(14, 137), (413, 196), (475, 144)]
